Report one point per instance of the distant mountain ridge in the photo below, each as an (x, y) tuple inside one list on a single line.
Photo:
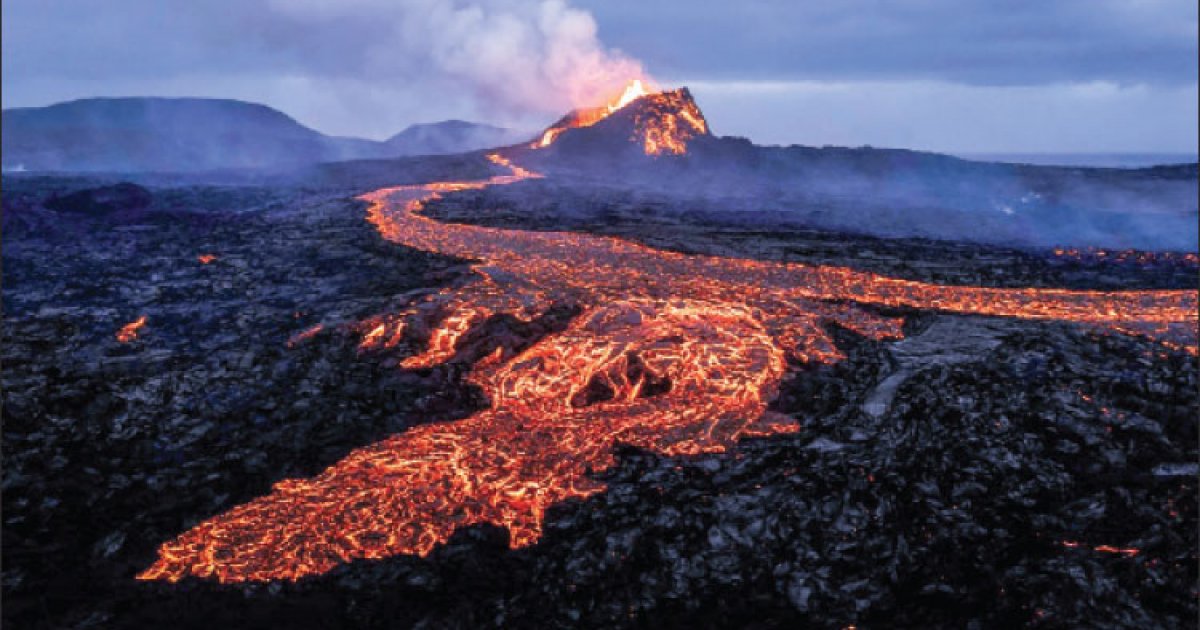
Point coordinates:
[(1091, 160), (450, 136), (144, 134)]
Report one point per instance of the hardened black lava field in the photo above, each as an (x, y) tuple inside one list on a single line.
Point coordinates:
[(977, 472)]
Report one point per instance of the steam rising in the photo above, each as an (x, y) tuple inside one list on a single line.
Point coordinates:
[(524, 57)]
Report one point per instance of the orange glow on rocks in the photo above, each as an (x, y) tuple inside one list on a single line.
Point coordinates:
[(129, 331), (672, 353), (1128, 552), (305, 335), (668, 121)]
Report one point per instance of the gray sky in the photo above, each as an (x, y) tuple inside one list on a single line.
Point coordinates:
[(949, 75)]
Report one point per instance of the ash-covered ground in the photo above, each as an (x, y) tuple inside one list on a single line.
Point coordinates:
[(981, 472)]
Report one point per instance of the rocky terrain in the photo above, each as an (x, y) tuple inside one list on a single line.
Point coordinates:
[(719, 227), (979, 473)]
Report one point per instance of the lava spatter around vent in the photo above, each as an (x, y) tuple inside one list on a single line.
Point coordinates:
[(671, 353), (660, 122)]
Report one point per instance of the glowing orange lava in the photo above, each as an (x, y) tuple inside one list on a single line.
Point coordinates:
[(590, 116), (672, 353), (1128, 552), (304, 335), (668, 122), (129, 331), (665, 124), (206, 258), (1096, 254)]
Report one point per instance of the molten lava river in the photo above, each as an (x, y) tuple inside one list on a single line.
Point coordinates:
[(685, 351)]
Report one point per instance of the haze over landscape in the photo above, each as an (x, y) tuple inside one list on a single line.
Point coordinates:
[(494, 314)]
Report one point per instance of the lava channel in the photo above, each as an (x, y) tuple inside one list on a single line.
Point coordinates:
[(672, 353)]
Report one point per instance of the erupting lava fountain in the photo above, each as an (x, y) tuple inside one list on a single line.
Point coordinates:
[(671, 353)]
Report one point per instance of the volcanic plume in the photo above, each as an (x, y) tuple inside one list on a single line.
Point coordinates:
[(671, 353)]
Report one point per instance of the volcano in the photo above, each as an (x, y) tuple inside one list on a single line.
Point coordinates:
[(660, 123), (661, 144)]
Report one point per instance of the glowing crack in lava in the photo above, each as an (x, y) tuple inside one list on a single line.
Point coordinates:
[(672, 353), (129, 331)]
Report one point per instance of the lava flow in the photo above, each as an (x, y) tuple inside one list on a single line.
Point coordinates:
[(129, 331), (671, 353), (1128, 552)]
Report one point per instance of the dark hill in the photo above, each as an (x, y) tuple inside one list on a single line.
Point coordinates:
[(449, 136), (880, 192), (193, 134)]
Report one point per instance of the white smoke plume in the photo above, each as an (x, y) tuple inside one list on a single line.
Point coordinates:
[(540, 56)]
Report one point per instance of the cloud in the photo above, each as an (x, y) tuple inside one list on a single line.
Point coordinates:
[(985, 75), (540, 56), (976, 42), (364, 67), (1093, 117), (519, 56)]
